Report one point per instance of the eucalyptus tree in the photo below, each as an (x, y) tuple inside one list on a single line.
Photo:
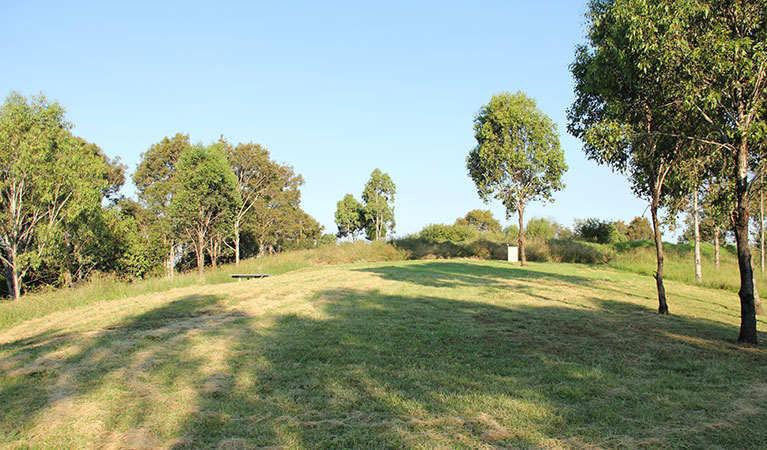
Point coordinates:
[(378, 196), (625, 111), (47, 176), (518, 158), (350, 217), (256, 174), (206, 197), (481, 219), (155, 185)]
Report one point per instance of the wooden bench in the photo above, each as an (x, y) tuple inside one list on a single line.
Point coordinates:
[(240, 276)]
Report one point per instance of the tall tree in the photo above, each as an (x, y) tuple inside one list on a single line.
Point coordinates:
[(518, 158), (378, 196), (46, 176), (206, 197), (625, 112), (256, 173), (349, 216), (155, 184), (718, 50)]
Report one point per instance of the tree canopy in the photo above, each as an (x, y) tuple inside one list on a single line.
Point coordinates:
[(518, 158)]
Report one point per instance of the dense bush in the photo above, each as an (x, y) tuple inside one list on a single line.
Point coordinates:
[(441, 233), (597, 231)]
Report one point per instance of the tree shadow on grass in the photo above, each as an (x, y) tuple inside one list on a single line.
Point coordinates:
[(363, 369), (389, 371), (452, 274)]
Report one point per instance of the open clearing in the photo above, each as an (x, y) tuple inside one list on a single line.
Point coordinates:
[(421, 354)]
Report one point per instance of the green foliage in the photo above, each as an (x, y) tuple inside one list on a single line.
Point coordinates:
[(640, 229), (518, 158), (511, 231), (378, 196), (597, 231), (350, 217), (482, 220), (206, 196), (539, 227), (455, 233), (50, 180), (328, 239)]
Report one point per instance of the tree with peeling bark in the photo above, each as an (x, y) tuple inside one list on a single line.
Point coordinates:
[(518, 158), (47, 176)]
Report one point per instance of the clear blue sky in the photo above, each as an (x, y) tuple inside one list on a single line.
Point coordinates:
[(335, 89)]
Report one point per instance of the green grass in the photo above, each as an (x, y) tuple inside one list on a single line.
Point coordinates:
[(679, 265), (407, 354), (106, 288)]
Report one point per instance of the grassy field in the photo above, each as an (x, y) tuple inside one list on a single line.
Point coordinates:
[(420, 354)]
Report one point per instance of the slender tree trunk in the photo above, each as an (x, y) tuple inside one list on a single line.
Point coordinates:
[(716, 247), (200, 247), (14, 288), (171, 258), (521, 237), (761, 223), (757, 300), (662, 304), (746, 293), (236, 244), (696, 216)]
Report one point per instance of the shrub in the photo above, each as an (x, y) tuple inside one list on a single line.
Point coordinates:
[(596, 230), (540, 228), (456, 233)]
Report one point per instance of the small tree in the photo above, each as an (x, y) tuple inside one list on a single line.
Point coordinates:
[(639, 229), (482, 220), (518, 158), (350, 217), (379, 212)]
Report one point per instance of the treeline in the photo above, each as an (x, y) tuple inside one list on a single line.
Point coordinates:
[(62, 218)]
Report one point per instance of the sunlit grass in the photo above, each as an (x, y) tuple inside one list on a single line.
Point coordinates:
[(418, 354), (106, 288)]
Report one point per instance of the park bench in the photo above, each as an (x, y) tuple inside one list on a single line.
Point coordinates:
[(240, 276)]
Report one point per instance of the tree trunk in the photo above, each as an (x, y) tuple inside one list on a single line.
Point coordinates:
[(171, 257), (746, 293), (662, 305), (716, 247), (521, 236), (236, 244), (757, 301), (761, 223), (696, 216), (200, 248), (9, 281)]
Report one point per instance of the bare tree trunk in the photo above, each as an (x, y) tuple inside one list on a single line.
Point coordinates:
[(757, 300), (696, 216), (200, 248), (236, 244), (662, 304), (740, 216), (761, 222), (716, 247), (521, 237), (171, 258)]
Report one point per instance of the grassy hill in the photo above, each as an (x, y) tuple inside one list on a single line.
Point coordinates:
[(417, 354)]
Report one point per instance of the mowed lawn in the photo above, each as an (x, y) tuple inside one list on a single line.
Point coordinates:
[(423, 354)]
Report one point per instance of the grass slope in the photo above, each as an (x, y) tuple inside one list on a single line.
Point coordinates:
[(438, 354)]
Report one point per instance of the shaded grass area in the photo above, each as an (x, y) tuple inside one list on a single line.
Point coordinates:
[(109, 288), (437, 354)]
